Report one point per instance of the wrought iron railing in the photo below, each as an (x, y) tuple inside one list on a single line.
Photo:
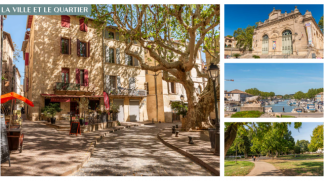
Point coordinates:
[(66, 86), (126, 92)]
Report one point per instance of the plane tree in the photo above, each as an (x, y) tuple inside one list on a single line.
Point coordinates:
[(172, 35), (316, 139)]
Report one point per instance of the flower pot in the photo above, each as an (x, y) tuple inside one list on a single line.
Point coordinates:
[(53, 120), (82, 121)]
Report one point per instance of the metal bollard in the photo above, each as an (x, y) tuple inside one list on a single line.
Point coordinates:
[(177, 133), (190, 140), (177, 126), (173, 130)]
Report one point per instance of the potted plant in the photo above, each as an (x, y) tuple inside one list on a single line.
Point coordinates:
[(114, 109), (236, 55), (82, 121), (52, 109)]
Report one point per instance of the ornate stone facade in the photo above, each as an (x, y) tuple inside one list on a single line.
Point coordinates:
[(292, 34)]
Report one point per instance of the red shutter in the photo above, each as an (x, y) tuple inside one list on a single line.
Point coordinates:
[(65, 21), (86, 78), (85, 27), (89, 49), (26, 59), (27, 84), (77, 76), (78, 47), (82, 27)]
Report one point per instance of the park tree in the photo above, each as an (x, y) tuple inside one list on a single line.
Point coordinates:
[(303, 144), (155, 28), (299, 95), (259, 131), (316, 139)]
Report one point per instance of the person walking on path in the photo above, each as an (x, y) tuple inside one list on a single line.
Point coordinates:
[(283, 109)]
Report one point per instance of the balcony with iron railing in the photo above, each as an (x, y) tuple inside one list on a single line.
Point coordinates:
[(125, 92), (62, 86)]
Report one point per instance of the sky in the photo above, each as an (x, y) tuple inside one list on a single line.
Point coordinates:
[(304, 132), (280, 78), (240, 16), (16, 26)]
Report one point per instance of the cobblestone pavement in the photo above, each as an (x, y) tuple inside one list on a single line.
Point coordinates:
[(138, 152)]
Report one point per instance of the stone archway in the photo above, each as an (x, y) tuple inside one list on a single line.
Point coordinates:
[(265, 44), (287, 47)]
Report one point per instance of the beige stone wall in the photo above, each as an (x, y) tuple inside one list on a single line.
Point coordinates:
[(295, 22), (46, 61)]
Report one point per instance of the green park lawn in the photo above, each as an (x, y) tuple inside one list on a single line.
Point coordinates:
[(302, 157), (247, 114), (242, 168), (299, 167), (286, 116)]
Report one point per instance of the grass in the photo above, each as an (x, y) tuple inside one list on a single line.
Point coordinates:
[(302, 157), (247, 114), (242, 168), (286, 116), (299, 167)]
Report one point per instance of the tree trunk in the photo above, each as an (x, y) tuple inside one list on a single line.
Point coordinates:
[(230, 136), (245, 154)]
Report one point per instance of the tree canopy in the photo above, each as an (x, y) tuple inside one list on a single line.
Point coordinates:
[(257, 92), (310, 94), (316, 139), (244, 37), (320, 24)]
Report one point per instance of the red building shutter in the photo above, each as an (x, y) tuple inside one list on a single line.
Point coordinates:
[(78, 47), (82, 27), (77, 76), (86, 78), (26, 59), (89, 49), (85, 27), (65, 21), (27, 84)]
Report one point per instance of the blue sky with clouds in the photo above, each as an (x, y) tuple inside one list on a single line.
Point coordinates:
[(240, 16), (281, 78), (305, 132), (16, 26)]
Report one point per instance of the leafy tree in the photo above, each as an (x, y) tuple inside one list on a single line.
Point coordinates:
[(320, 23), (299, 95), (155, 27), (253, 91), (316, 139), (230, 36), (16, 52), (303, 144), (297, 149), (262, 133), (244, 37), (51, 109), (179, 107)]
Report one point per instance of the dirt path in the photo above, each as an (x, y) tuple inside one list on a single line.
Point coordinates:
[(264, 169)]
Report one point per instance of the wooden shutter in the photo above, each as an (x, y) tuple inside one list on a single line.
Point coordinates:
[(118, 83), (106, 33), (117, 55), (176, 86), (70, 46), (85, 27), (126, 59), (170, 90), (135, 62), (89, 49), (26, 59), (117, 35), (65, 21), (107, 84), (107, 54), (82, 25), (132, 82), (61, 44), (77, 76), (86, 78), (78, 47)]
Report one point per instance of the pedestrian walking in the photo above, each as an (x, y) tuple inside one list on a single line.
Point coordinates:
[(283, 109)]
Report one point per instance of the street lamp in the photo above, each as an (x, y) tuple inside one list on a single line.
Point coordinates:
[(182, 98), (213, 74)]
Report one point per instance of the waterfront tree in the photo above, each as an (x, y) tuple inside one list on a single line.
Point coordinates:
[(299, 95), (155, 29)]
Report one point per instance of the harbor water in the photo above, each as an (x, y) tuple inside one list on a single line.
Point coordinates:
[(278, 107)]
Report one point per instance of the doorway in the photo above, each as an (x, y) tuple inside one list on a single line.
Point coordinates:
[(287, 47), (120, 114), (134, 110), (265, 44)]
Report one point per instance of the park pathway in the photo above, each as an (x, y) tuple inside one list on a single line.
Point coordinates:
[(264, 169), (138, 152)]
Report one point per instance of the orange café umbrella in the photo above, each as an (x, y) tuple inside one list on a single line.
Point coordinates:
[(7, 97)]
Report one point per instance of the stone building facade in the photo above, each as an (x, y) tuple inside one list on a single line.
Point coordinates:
[(65, 61), (8, 67), (288, 34)]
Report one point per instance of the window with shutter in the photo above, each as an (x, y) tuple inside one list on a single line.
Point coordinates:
[(88, 51), (65, 75), (118, 84), (81, 77), (107, 54), (117, 35), (83, 26), (112, 82), (86, 77), (65, 21), (132, 83), (110, 35), (82, 49), (77, 76), (65, 46), (107, 84), (117, 56), (26, 59), (78, 47), (135, 62), (111, 55)]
